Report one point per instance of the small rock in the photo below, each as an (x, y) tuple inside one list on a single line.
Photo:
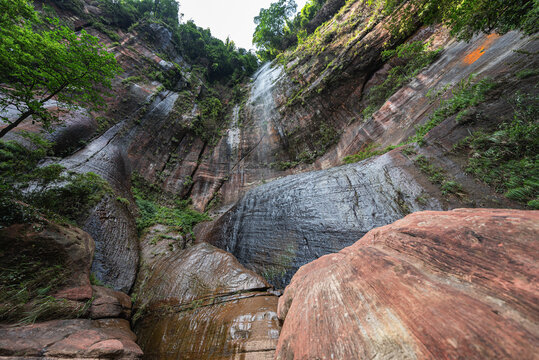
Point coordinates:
[(109, 303)]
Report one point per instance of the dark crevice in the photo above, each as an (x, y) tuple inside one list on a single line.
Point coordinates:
[(193, 173)]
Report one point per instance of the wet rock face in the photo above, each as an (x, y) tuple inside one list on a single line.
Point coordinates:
[(200, 303), (61, 339), (111, 223), (282, 225), (242, 328), (116, 257), (458, 284)]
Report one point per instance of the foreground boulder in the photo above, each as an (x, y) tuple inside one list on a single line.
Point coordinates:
[(201, 303), (434, 285), (50, 243)]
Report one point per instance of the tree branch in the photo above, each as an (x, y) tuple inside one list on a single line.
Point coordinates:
[(16, 123)]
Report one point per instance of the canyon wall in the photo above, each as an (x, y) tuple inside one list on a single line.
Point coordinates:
[(280, 197)]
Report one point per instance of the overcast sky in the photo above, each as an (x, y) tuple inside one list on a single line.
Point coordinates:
[(232, 18)]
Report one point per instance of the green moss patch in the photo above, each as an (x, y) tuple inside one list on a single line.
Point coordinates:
[(153, 209)]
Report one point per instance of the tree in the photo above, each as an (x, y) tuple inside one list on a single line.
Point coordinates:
[(167, 10), (270, 27), (42, 61)]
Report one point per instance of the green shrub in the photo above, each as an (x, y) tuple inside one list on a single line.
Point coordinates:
[(451, 187), (527, 73), (132, 79), (465, 18), (106, 30), (438, 176), (464, 96), (369, 151), (208, 124), (434, 173), (366, 153), (507, 158), (120, 14), (123, 201), (70, 194), (283, 165), (94, 280)]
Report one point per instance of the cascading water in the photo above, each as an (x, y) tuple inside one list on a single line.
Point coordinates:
[(262, 111)]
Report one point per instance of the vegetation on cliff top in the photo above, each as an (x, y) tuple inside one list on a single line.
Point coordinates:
[(464, 18), (221, 61), (276, 30)]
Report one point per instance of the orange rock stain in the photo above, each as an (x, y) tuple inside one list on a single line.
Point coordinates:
[(480, 50)]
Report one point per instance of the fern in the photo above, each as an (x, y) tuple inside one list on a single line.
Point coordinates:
[(519, 194)]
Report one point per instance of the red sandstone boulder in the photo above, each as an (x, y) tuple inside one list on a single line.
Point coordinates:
[(434, 285), (44, 272), (78, 338), (200, 271)]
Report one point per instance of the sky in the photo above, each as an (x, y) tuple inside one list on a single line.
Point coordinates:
[(232, 18)]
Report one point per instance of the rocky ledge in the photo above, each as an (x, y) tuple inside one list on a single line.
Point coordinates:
[(74, 338), (434, 285)]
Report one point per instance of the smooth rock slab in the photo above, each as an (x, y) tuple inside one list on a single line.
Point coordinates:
[(434, 285), (197, 272), (284, 224)]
